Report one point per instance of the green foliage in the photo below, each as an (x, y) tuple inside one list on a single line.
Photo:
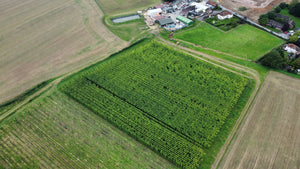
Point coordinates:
[(277, 9), (242, 8), (280, 20), (293, 4), (283, 5), (295, 10), (85, 140), (263, 20), (294, 18), (244, 41), (225, 24), (271, 15), (296, 63), (274, 59), (171, 102), (294, 38)]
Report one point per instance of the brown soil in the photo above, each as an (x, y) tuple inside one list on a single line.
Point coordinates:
[(43, 39), (269, 136), (255, 7)]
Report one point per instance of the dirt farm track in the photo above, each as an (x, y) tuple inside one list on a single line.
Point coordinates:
[(269, 136), (41, 39)]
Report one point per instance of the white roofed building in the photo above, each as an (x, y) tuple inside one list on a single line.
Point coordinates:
[(200, 6), (153, 12)]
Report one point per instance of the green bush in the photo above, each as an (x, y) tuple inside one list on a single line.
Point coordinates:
[(242, 8)]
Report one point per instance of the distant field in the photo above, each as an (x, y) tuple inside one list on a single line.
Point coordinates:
[(119, 6), (172, 102), (57, 132), (43, 39), (269, 136), (244, 41)]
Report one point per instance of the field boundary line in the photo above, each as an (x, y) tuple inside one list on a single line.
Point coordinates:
[(217, 51), (27, 100), (256, 77)]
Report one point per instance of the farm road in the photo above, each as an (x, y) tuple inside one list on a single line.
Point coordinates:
[(252, 72)]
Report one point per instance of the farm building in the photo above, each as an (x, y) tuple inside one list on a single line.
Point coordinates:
[(165, 21), (225, 15), (200, 6), (184, 20), (158, 17), (154, 12)]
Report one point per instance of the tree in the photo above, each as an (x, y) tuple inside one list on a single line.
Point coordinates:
[(296, 64), (271, 15), (263, 20), (277, 9), (294, 38), (293, 4), (283, 5), (273, 60), (295, 10), (285, 27)]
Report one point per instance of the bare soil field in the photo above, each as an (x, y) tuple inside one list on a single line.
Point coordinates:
[(255, 7), (112, 7), (269, 136), (43, 39)]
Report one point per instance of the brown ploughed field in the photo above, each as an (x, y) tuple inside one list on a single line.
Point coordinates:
[(269, 137), (41, 39), (255, 8)]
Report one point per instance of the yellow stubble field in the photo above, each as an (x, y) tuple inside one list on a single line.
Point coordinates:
[(269, 137), (41, 39)]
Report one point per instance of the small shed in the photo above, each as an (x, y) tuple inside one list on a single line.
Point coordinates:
[(165, 21), (184, 20)]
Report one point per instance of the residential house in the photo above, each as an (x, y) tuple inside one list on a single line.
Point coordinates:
[(275, 24), (286, 19), (200, 6), (225, 15), (291, 48), (154, 12), (212, 4)]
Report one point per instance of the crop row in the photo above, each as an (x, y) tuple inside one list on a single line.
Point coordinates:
[(171, 102), (132, 120), (196, 100)]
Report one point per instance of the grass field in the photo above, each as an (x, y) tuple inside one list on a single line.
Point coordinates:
[(162, 97), (129, 31), (111, 7), (244, 41), (43, 39), (296, 19), (269, 136), (55, 131)]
